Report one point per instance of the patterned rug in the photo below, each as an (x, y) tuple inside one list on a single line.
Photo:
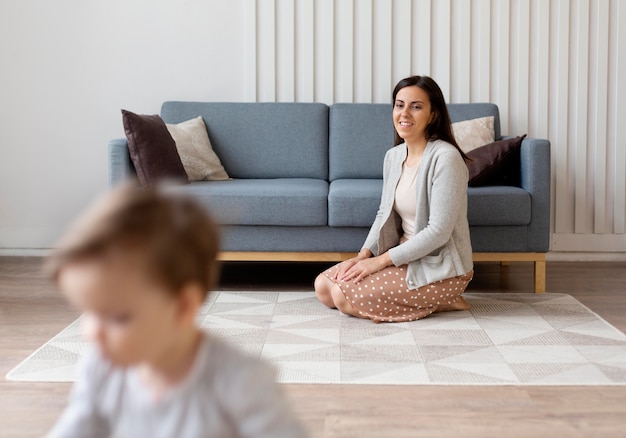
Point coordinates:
[(504, 339)]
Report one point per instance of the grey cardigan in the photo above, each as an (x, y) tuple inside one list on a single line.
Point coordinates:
[(441, 247)]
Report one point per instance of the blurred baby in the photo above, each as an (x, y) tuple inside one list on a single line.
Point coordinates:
[(139, 264)]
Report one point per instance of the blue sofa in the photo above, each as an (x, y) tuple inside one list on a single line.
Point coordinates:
[(307, 180)]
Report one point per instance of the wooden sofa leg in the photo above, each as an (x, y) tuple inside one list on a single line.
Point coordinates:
[(540, 276), (538, 259)]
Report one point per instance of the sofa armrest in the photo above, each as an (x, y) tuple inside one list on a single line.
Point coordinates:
[(120, 165), (535, 178)]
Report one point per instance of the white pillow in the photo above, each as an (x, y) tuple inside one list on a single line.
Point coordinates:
[(195, 150), (474, 133)]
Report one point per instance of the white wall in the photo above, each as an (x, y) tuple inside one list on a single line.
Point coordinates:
[(68, 67), (557, 70)]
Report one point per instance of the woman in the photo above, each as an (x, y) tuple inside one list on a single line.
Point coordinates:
[(417, 258)]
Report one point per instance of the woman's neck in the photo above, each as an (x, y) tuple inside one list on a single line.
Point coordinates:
[(415, 151)]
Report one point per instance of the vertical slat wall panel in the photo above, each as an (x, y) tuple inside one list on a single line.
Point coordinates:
[(305, 50), (480, 72), (520, 66), (579, 65), (266, 50), (460, 89), (617, 127), (598, 79), (556, 69), (402, 38), (324, 50), (285, 51), (539, 68), (363, 51), (559, 116), (344, 54), (500, 60), (383, 49), (251, 56), (422, 40), (441, 45)]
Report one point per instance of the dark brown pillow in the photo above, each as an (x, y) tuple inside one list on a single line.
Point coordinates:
[(495, 164), (152, 149)]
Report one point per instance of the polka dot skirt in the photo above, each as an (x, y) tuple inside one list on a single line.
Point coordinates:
[(385, 297)]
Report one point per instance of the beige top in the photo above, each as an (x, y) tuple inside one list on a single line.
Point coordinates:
[(405, 200)]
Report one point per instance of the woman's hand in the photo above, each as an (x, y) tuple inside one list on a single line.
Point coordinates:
[(358, 268), (346, 265)]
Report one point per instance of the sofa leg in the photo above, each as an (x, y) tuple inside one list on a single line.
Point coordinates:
[(504, 258), (540, 276)]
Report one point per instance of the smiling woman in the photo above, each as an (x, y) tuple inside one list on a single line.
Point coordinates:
[(417, 258)]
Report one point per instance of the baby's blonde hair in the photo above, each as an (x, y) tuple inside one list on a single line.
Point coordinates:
[(173, 234)]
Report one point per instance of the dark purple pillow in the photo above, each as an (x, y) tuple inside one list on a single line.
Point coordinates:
[(152, 149), (495, 164)]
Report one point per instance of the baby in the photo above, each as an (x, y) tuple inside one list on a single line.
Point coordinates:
[(139, 264)]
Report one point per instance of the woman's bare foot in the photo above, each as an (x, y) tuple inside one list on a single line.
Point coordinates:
[(459, 304)]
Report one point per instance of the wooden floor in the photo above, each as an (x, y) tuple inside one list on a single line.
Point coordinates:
[(31, 312)]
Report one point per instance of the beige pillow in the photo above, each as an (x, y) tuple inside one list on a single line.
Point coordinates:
[(195, 150), (473, 133)]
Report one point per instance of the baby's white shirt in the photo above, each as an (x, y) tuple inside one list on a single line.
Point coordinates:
[(226, 394)]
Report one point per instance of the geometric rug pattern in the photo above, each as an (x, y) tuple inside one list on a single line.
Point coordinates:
[(504, 339)]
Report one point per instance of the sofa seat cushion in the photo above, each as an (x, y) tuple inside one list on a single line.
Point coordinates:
[(498, 205), (353, 202), (283, 201)]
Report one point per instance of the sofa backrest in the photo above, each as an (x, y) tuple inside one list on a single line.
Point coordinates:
[(361, 134), (262, 140)]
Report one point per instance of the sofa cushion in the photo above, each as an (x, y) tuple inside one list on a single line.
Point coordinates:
[(262, 140), (474, 133), (284, 201), (360, 135), (498, 205), (353, 202), (193, 145), (152, 149), (467, 111), (497, 163)]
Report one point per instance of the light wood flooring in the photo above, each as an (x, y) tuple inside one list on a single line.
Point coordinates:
[(31, 312)]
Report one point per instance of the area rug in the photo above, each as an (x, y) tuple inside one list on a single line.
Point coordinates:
[(504, 339)]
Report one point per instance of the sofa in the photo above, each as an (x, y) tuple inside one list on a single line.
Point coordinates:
[(306, 181)]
